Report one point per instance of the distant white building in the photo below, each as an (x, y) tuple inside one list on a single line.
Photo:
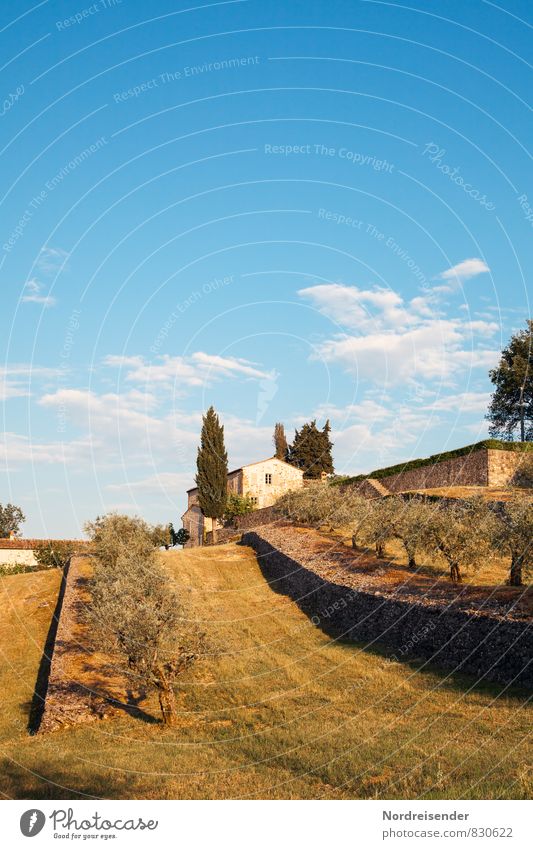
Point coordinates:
[(263, 482)]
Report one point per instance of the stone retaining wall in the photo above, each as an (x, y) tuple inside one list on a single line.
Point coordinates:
[(470, 470), (82, 685), (489, 647), (503, 466), (484, 467)]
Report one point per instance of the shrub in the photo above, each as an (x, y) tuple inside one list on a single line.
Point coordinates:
[(238, 505), (21, 568), (162, 536), (56, 553), (396, 518), (116, 538)]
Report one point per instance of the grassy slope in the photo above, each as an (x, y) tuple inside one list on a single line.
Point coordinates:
[(280, 712)]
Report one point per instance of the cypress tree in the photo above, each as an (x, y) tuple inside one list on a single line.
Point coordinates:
[(326, 458), (212, 463), (280, 442)]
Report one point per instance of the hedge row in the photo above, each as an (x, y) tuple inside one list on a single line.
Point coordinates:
[(22, 568), (437, 458)]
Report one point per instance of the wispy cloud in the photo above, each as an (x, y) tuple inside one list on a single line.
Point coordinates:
[(16, 380), (464, 270), (34, 294), (51, 260), (198, 369), (463, 402)]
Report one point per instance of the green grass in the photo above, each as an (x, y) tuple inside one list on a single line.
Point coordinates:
[(277, 711), (495, 444)]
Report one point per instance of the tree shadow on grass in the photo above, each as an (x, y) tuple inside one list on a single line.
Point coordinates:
[(42, 780), (436, 645), (94, 702)]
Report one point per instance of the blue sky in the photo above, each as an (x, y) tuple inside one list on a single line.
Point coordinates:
[(286, 210)]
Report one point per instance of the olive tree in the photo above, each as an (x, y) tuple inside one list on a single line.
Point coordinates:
[(408, 521), (372, 525), (313, 504), (162, 536), (318, 503), (462, 534), (135, 614), (514, 536)]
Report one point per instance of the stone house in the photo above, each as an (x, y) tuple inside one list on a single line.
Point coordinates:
[(263, 482)]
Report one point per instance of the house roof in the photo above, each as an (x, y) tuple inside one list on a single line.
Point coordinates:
[(257, 463)]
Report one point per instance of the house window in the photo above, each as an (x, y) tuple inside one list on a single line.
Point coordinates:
[(253, 499), (268, 478)]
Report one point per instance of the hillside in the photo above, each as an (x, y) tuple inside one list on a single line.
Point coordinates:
[(275, 711)]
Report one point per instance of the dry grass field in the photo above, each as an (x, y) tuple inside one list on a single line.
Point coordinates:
[(275, 711)]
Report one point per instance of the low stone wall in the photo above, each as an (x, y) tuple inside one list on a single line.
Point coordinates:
[(484, 467), (224, 535), (264, 516), (255, 519), (486, 646)]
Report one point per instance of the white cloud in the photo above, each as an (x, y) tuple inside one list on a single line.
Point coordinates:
[(402, 341), (16, 380), (465, 270), (121, 430), (167, 484), (391, 357), (457, 274), (363, 446), (16, 448), (228, 366), (51, 260), (34, 294), (366, 411), (463, 402), (10, 389), (199, 369), (363, 309)]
